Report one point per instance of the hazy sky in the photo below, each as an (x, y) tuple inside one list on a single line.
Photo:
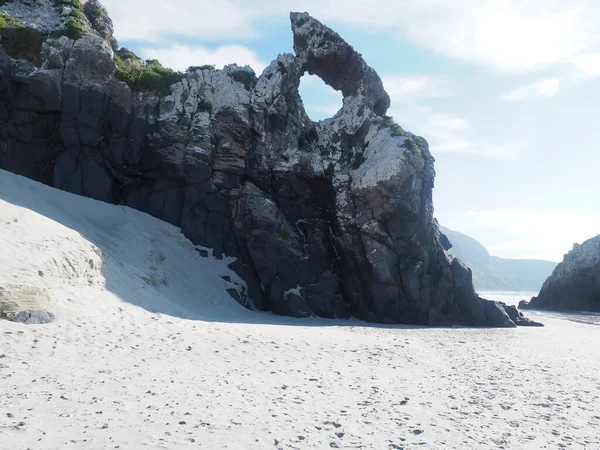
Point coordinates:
[(506, 92)]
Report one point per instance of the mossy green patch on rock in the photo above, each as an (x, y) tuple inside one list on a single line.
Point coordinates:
[(18, 40), (151, 76), (72, 3), (204, 106), (74, 29), (192, 69), (76, 25), (8, 21), (248, 79), (389, 122), (77, 14), (98, 14), (410, 145)]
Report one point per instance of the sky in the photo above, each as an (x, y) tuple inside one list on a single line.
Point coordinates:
[(506, 93)]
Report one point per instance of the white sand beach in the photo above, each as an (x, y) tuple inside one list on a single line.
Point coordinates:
[(149, 351)]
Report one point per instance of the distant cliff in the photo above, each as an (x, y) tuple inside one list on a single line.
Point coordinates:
[(491, 273), (575, 283)]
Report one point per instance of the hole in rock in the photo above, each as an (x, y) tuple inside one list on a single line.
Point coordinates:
[(320, 100)]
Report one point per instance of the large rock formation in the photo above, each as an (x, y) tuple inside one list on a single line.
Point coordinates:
[(333, 218), (575, 283)]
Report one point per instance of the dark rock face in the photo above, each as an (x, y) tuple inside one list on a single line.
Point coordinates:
[(333, 219), (575, 283), (518, 318), (523, 304)]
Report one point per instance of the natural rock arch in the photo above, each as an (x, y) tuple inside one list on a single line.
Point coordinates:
[(321, 101), (324, 53), (332, 218)]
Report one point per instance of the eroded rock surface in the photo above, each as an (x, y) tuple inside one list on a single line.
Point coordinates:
[(575, 283), (333, 218)]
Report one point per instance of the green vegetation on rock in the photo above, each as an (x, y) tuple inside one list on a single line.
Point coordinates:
[(410, 145), (248, 79), (18, 40), (192, 69), (76, 14), (75, 26), (151, 76), (72, 3), (74, 29), (98, 14), (7, 21), (389, 122), (204, 106)]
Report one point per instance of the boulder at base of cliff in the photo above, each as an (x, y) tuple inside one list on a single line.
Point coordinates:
[(518, 318)]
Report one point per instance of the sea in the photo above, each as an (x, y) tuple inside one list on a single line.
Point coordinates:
[(514, 297)]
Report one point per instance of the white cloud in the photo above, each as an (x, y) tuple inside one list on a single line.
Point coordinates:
[(449, 133), (318, 85), (504, 35), (156, 20), (588, 64), (320, 100), (401, 87), (446, 133), (179, 57), (548, 87), (537, 234), (326, 110)]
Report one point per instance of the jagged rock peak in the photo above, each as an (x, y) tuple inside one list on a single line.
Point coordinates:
[(324, 53)]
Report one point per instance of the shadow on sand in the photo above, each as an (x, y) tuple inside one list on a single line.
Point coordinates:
[(148, 263)]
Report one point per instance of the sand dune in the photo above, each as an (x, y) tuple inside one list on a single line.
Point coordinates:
[(149, 351)]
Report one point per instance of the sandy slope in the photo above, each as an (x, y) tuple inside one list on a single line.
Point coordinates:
[(150, 352)]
